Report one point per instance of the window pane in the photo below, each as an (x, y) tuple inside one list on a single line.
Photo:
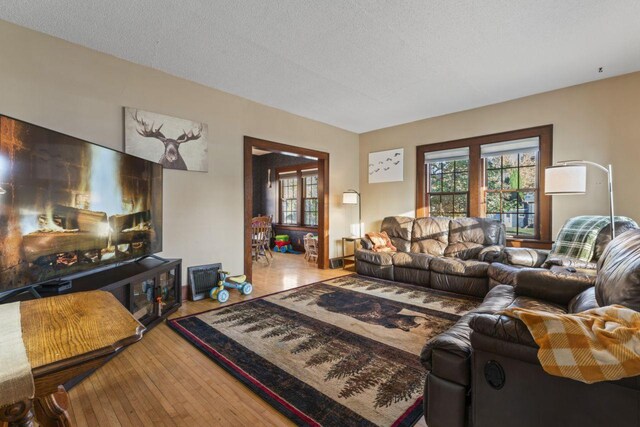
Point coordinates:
[(435, 184), (447, 166), (460, 203), (447, 183), (528, 177), (528, 159), (494, 178), (462, 165), (509, 160), (435, 205), (447, 205), (435, 168), (510, 179), (462, 181), (509, 202), (493, 203), (494, 162)]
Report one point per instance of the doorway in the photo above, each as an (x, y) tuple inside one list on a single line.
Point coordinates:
[(252, 145)]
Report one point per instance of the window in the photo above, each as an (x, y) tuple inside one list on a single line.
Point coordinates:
[(497, 176), (289, 200), (448, 182), (298, 195), (511, 185), (310, 199)]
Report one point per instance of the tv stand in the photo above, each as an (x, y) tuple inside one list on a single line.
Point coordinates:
[(154, 256), (15, 292)]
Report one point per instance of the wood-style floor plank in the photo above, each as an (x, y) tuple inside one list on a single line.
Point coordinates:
[(165, 381)]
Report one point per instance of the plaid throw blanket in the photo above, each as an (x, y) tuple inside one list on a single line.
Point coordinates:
[(601, 344), (577, 237)]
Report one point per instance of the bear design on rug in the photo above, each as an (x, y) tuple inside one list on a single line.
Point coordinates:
[(372, 311)]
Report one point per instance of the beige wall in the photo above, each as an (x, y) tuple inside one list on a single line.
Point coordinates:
[(598, 121), (80, 92)]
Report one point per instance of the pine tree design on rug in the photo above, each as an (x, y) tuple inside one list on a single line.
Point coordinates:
[(393, 379), (457, 303)]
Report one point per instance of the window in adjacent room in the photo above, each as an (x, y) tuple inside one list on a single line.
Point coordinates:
[(511, 185), (289, 198), (310, 198), (448, 182), (298, 195), (497, 176)]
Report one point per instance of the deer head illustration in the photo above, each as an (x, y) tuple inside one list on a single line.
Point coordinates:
[(171, 157)]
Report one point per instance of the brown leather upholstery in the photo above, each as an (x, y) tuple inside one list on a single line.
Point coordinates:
[(377, 258), (399, 229), (459, 267), (585, 300), (618, 279), (525, 257), (557, 285), (409, 259), (430, 235)]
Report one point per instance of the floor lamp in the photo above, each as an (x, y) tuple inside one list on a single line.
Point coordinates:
[(352, 197), (570, 177)]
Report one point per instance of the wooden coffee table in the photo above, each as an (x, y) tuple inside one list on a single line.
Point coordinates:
[(67, 336)]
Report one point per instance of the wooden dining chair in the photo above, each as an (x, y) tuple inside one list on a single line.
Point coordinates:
[(260, 236), (311, 247)]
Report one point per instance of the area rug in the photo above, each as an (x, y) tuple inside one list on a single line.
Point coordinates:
[(343, 352)]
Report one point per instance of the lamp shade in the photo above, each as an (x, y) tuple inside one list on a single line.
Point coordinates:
[(565, 179), (350, 198)]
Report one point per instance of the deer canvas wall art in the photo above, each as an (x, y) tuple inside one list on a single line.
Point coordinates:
[(172, 142)]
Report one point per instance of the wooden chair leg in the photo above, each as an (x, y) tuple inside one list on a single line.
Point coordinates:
[(51, 411), (18, 415)]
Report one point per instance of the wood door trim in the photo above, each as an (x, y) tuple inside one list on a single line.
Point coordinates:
[(323, 194)]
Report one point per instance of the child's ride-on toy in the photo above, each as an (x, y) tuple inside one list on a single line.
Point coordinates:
[(236, 282)]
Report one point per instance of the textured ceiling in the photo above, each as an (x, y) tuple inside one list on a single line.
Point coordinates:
[(359, 65)]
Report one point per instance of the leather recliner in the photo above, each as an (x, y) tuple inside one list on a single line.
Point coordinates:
[(484, 371)]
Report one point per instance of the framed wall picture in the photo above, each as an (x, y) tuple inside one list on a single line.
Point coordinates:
[(172, 142), (386, 166)]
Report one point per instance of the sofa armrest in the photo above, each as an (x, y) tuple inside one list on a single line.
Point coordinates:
[(525, 257), (377, 258), (491, 254), (503, 335), (557, 285)]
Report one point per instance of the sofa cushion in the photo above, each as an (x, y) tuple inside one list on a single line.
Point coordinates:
[(529, 303), (557, 285), (377, 258), (463, 250), (618, 280), (411, 260), (399, 230), (459, 267), (430, 235), (483, 231), (525, 257), (584, 301), (503, 273)]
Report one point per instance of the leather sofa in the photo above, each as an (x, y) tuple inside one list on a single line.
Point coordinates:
[(484, 370), (514, 260), (442, 253)]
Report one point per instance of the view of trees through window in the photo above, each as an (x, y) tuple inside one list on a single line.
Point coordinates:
[(511, 194), (310, 197), (289, 200), (448, 184)]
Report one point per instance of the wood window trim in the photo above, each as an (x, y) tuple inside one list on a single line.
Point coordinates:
[(545, 133), (299, 196)]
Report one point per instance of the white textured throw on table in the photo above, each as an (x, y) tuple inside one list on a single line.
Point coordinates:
[(16, 381)]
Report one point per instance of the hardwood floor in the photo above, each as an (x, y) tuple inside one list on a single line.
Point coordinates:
[(165, 381)]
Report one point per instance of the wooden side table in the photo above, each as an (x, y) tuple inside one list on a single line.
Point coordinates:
[(66, 336), (349, 258)]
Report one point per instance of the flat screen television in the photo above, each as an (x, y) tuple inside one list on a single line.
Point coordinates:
[(68, 206)]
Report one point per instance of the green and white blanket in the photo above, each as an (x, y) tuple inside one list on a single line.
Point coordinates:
[(577, 237)]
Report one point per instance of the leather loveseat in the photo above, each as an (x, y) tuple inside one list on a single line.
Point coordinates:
[(484, 370), (442, 253)]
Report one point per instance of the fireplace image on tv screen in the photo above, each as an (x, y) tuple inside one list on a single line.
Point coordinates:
[(68, 206)]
